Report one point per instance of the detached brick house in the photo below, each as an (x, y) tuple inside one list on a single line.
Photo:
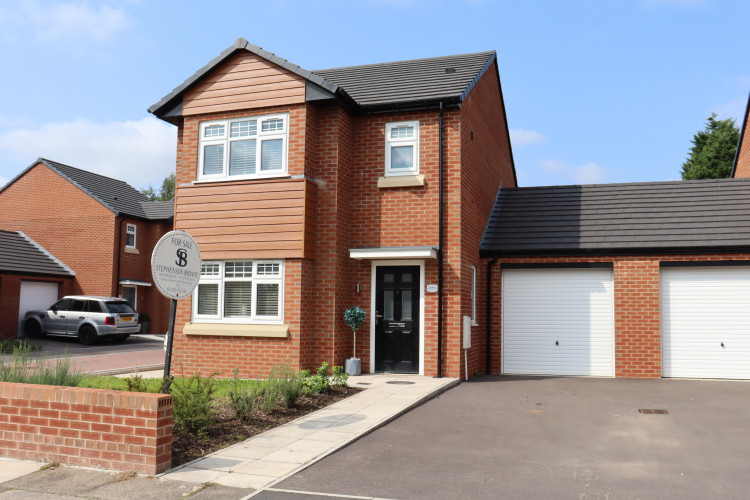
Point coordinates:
[(102, 229), (311, 192)]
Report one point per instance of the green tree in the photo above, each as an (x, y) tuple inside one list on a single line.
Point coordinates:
[(166, 192), (713, 150)]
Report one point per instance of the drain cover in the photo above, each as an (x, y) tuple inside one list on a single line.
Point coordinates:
[(363, 383), (653, 412), (399, 382)]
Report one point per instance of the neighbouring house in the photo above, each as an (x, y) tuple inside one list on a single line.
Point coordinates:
[(30, 278), (310, 192), (102, 229)]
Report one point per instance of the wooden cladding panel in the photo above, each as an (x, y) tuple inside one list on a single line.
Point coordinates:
[(245, 81), (271, 219)]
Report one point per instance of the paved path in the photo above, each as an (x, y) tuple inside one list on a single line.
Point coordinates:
[(269, 457), (245, 469)]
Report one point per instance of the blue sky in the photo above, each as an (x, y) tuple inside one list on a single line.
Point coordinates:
[(596, 91)]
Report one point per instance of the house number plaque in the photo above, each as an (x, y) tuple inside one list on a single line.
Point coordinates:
[(432, 288)]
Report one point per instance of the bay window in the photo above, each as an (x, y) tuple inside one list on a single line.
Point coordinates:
[(243, 148), (240, 291)]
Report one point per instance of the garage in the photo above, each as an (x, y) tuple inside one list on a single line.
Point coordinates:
[(558, 321), (36, 295), (705, 314)]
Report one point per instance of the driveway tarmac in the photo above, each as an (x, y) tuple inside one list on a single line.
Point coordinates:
[(528, 438)]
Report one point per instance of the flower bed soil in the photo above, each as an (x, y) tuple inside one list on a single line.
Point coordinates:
[(227, 429)]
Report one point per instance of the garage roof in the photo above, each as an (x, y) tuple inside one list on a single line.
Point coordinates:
[(678, 216), (21, 254)]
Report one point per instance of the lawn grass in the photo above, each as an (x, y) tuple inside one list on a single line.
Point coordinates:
[(223, 386)]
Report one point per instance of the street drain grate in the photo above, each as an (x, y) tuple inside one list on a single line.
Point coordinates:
[(399, 382), (653, 412)]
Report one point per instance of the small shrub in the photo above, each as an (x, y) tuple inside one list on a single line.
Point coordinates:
[(316, 383), (244, 398), (192, 410), (339, 376), (285, 384), (323, 369), (136, 383)]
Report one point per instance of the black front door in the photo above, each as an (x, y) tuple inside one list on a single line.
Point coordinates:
[(397, 319)]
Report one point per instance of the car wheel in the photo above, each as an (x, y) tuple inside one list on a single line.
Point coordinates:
[(86, 335), (33, 329), (122, 338)]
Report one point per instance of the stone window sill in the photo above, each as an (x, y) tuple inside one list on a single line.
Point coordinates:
[(234, 330), (134, 251), (401, 181)]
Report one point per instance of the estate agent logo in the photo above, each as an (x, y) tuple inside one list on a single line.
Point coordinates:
[(176, 265)]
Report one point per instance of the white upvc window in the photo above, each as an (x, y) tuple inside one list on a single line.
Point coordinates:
[(402, 148), (130, 233), (240, 291), (243, 148)]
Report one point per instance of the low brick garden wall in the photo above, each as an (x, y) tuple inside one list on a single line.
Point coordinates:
[(91, 427)]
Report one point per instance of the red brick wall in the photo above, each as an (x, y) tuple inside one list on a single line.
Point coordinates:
[(89, 427), (138, 267), (743, 159), (637, 302), (486, 165), (10, 295), (71, 225)]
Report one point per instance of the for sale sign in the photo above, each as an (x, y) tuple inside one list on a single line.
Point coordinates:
[(176, 265)]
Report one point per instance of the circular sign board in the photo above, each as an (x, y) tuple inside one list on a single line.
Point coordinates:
[(176, 265)]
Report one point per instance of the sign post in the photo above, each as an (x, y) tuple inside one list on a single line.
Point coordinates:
[(176, 269)]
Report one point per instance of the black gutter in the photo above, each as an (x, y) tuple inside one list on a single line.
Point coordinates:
[(440, 248), (742, 137), (489, 313)]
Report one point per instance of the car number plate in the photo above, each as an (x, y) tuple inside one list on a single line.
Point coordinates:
[(126, 318)]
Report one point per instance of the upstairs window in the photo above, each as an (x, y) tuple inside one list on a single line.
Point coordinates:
[(243, 148), (402, 148), (130, 236), (240, 292)]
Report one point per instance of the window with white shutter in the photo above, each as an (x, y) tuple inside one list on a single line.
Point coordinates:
[(240, 292), (243, 148)]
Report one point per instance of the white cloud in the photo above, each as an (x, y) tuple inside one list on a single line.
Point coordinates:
[(590, 173), (138, 152), (73, 21), (523, 137)]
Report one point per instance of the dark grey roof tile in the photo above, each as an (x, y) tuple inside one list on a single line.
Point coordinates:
[(656, 216), (21, 254)]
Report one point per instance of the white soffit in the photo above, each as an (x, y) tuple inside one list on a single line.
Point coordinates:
[(393, 253)]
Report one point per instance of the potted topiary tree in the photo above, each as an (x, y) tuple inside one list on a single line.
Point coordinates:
[(354, 318)]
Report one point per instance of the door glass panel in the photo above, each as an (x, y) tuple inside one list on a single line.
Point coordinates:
[(388, 277), (406, 304), (405, 277), (387, 304)]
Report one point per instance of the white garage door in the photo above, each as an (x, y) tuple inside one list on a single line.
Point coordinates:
[(705, 319), (35, 295), (558, 322)]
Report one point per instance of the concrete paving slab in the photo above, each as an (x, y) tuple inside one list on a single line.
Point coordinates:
[(62, 480), (34, 495), (194, 475), (144, 488), (268, 468), (220, 491), (12, 469), (240, 480)]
